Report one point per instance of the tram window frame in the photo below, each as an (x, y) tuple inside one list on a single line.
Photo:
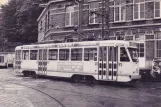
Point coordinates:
[(90, 54), (65, 53), (33, 54), (53, 54), (25, 56), (122, 59), (76, 54)]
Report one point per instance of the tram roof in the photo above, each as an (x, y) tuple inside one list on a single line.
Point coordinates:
[(7, 52), (80, 44)]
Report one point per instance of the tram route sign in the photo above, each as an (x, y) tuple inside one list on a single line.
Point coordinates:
[(61, 45)]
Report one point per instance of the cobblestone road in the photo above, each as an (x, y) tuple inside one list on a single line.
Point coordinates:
[(14, 95), (73, 95)]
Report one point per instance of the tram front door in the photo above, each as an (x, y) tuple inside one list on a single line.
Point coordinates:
[(42, 62), (18, 59), (108, 60)]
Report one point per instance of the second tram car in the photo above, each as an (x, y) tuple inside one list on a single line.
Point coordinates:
[(7, 59), (109, 60)]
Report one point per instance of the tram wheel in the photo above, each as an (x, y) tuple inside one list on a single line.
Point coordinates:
[(75, 79), (34, 75), (25, 74), (94, 81)]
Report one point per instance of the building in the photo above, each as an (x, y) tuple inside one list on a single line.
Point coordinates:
[(135, 20), (60, 21), (138, 20)]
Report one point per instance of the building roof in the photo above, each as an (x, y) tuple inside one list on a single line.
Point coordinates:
[(46, 6)]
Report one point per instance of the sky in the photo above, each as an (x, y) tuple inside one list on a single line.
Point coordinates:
[(3, 1)]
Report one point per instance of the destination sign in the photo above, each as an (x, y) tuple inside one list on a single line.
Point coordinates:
[(60, 45)]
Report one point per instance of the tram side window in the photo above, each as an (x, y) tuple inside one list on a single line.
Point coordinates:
[(45, 55), (123, 55), (33, 54), (64, 54), (16, 56), (76, 54), (25, 54), (2, 59), (112, 53), (90, 54), (53, 54)]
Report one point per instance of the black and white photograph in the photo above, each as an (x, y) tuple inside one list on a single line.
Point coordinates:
[(80, 53)]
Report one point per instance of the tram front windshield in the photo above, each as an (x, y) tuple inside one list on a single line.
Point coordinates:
[(133, 54)]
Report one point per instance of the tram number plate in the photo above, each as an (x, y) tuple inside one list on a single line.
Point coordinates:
[(120, 64)]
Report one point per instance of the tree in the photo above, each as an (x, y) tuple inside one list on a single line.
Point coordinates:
[(8, 21), (19, 19)]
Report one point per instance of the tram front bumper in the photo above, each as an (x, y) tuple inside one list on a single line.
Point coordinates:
[(135, 77)]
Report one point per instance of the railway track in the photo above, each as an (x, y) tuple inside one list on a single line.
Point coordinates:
[(88, 94), (83, 93), (40, 91)]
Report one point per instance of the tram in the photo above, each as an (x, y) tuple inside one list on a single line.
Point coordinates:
[(108, 60), (7, 59)]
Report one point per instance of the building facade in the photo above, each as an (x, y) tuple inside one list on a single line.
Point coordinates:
[(135, 20), (61, 19), (138, 20)]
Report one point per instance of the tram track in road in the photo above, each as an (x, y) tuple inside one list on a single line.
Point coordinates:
[(81, 93), (86, 93), (37, 91)]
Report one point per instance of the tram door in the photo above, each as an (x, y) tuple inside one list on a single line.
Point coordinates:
[(112, 63), (107, 69), (18, 59), (102, 68), (42, 62)]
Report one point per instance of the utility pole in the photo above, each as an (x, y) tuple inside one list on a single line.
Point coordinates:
[(80, 17), (107, 18), (103, 17)]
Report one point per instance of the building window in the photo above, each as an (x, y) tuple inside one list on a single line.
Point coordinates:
[(33, 54), (64, 54), (140, 50), (157, 9), (69, 16), (53, 54), (158, 45), (139, 37), (158, 49), (90, 54), (93, 15), (120, 10), (76, 54), (139, 9)]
